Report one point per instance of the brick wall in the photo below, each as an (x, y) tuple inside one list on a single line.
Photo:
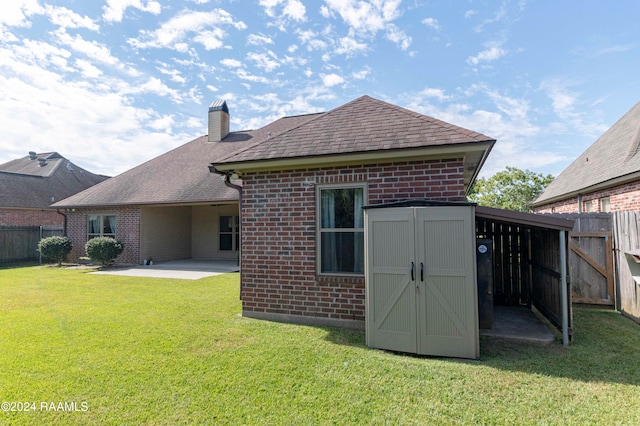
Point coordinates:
[(127, 232), (26, 217), (622, 198), (279, 277)]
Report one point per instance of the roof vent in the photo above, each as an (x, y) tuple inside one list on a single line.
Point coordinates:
[(218, 121), (32, 155), (42, 162)]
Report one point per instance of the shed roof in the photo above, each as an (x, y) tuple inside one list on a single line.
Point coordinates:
[(614, 158), (28, 183)]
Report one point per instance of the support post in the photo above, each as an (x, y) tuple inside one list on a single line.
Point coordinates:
[(564, 291)]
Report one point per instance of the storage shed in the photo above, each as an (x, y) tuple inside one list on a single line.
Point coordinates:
[(420, 267), (434, 271)]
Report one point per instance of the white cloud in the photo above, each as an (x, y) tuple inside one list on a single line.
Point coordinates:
[(330, 80), (364, 16), (173, 34), (163, 123), (114, 10), (258, 39), (265, 61), (566, 104), (87, 69), (432, 23), (15, 13), (398, 36), (284, 9), (439, 94), (210, 39), (173, 73), (362, 74), (492, 52), (349, 46), (469, 13), (66, 18), (231, 63)]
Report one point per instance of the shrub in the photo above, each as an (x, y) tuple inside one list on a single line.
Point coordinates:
[(103, 249), (55, 248)]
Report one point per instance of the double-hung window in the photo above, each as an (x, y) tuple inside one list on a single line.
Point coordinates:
[(102, 225), (341, 228), (229, 233)]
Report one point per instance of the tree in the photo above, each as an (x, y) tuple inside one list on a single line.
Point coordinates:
[(510, 189), (55, 248)]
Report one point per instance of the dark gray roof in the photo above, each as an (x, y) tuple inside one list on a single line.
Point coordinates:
[(362, 125), (29, 183), (180, 176), (611, 159)]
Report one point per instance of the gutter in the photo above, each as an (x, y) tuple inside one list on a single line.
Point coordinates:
[(226, 178)]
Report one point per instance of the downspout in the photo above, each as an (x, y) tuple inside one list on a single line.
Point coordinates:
[(226, 178), (64, 226)]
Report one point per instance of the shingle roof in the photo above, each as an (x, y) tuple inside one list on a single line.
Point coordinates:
[(362, 125), (25, 183), (612, 156), (180, 176)]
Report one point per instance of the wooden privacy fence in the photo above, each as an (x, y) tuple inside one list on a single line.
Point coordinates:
[(626, 229), (527, 267), (20, 243), (591, 259)]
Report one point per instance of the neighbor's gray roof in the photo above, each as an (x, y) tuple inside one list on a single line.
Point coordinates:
[(25, 184), (180, 176), (612, 159), (362, 125)]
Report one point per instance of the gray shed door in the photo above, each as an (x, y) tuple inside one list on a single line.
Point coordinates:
[(421, 285)]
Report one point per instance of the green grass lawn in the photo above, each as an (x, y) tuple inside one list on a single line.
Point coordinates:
[(160, 351)]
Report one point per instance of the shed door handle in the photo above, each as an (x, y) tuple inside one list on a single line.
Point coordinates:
[(421, 271), (413, 268)]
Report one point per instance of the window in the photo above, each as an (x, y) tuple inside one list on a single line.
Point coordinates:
[(229, 233), (605, 204), (588, 206), (341, 229), (102, 225)]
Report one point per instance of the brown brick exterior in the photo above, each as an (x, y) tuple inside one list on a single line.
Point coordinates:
[(30, 217), (127, 231), (622, 198), (279, 277)]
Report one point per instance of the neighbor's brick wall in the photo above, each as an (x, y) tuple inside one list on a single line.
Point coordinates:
[(127, 232), (623, 198), (279, 233), (26, 217)]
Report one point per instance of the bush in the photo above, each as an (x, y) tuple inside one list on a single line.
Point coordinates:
[(103, 249), (55, 248)]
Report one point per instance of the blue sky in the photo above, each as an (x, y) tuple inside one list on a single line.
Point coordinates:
[(110, 84)]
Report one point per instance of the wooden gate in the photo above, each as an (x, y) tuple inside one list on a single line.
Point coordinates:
[(591, 266)]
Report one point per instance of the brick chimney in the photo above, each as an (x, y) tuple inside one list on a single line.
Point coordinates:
[(218, 121)]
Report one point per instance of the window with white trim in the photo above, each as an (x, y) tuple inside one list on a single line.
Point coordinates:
[(605, 204), (102, 225), (340, 228)]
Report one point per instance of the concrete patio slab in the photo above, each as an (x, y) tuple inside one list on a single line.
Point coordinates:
[(519, 324), (187, 269)]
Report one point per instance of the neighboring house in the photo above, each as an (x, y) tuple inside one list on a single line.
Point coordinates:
[(302, 226), (30, 185), (604, 178), (170, 207)]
